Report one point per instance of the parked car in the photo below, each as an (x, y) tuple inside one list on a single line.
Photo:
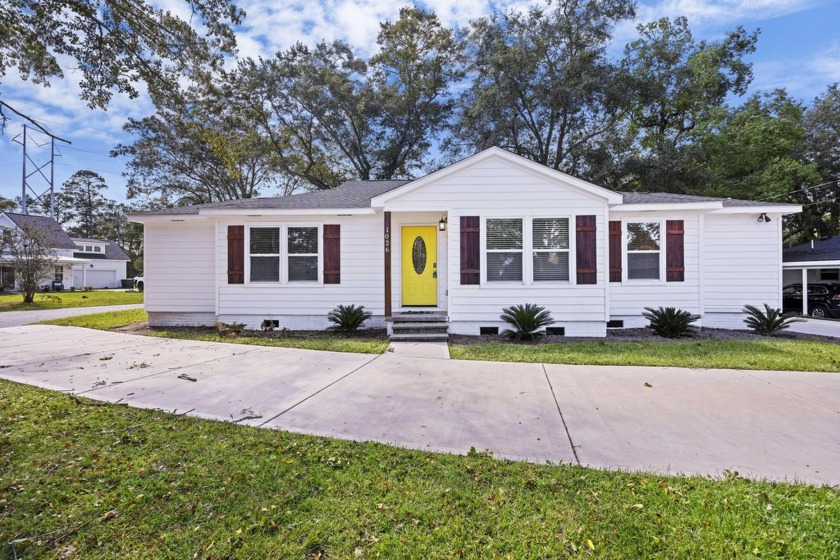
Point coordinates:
[(823, 299), (138, 283)]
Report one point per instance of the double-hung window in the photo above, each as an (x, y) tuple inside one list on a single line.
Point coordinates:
[(303, 254), (550, 244), (265, 254), (643, 250), (504, 249), (293, 247)]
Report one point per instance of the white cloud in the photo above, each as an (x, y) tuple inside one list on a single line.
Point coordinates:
[(716, 12)]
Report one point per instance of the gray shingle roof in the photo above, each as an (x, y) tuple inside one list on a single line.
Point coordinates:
[(671, 198), (357, 194), (824, 249), (57, 238), (352, 194), (112, 251)]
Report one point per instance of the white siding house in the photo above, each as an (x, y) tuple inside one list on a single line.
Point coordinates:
[(61, 244), (106, 267), (462, 243)]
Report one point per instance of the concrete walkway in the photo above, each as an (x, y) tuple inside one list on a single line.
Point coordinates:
[(775, 425), (20, 318)]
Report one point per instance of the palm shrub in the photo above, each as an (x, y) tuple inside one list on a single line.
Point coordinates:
[(768, 322), (527, 320), (670, 322), (348, 318)]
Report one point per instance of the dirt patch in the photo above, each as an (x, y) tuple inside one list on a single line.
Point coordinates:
[(646, 335), (364, 334)]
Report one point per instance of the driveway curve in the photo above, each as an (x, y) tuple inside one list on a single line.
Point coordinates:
[(781, 426)]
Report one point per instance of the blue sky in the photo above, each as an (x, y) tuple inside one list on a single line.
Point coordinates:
[(798, 49)]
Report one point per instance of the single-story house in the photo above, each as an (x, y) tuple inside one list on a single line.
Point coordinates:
[(813, 261), (461, 243), (62, 245), (107, 266)]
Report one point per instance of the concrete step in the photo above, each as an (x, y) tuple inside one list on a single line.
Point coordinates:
[(428, 325), (413, 337), (419, 319)]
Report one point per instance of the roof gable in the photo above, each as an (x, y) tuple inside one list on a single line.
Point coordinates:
[(558, 177), (56, 237)]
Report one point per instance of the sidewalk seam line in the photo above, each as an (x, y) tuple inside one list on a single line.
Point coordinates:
[(792, 392), (557, 404), (324, 388)]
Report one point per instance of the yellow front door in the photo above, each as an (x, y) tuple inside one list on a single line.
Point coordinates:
[(419, 265)]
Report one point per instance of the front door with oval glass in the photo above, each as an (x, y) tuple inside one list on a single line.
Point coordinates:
[(419, 265)]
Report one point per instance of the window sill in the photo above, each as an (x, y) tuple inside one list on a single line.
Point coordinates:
[(283, 285)]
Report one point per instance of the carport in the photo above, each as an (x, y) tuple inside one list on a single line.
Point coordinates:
[(813, 261)]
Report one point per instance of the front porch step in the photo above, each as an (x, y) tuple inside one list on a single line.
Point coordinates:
[(415, 337), (418, 318), (430, 326), (421, 328)]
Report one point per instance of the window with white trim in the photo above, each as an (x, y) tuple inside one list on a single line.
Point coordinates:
[(264, 249), (551, 247), (504, 249), (58, 274), (302, 254), (643, 250)]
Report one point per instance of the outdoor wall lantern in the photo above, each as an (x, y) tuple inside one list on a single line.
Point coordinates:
[(442, 223)]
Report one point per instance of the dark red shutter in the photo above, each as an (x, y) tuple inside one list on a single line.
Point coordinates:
[(236, 254), (332, 254), (470, 250), (615, 251), (587, 272), (674, 251)]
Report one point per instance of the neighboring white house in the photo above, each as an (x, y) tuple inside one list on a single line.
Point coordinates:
[(59, 241), (106, 267), (487, 232)]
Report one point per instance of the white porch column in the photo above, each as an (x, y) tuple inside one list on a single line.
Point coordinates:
[(84, 276), (804, 291)]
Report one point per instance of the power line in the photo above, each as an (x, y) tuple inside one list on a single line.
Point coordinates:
[(800, 190)]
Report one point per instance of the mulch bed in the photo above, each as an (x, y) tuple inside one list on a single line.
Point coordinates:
[(364, 334), (646, 335)]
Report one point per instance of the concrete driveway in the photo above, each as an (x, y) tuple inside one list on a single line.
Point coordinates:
[(823, 327), (775, 425), (19, 318)]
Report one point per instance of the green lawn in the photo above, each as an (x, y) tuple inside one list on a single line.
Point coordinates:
[(360, 343), (58, 300), (102, 321), (765, 354), (82, 481)]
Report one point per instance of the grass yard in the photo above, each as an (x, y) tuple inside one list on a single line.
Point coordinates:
[(59, 300), (763, 354), (108, 481), (363, 343), (102, 321)]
